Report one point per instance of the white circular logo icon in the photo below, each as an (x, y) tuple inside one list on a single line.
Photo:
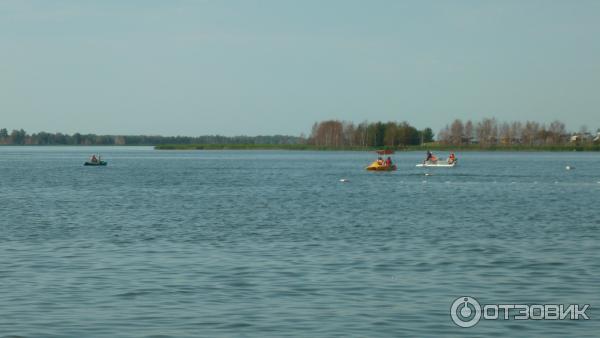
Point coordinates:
[(465, 311)]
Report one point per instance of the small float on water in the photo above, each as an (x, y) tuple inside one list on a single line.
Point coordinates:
[(95, 161), (433, 161), (383, 165)]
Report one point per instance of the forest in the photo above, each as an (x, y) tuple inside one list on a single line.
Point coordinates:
[(21, 137), (483, 134), (487, 133)]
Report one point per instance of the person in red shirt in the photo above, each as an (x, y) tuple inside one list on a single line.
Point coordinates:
[(452, 158)]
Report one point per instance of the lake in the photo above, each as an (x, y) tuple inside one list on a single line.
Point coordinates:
[(272, 244)]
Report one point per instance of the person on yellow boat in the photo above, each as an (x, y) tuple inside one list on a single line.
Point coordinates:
[(388, 161)]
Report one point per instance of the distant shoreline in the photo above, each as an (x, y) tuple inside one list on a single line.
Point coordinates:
[(433, 147), (308, 147)]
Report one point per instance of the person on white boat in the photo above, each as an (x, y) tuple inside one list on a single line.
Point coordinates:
[(430, 158), (451, 158)]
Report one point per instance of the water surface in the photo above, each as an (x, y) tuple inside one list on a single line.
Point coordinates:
[(272, 244)]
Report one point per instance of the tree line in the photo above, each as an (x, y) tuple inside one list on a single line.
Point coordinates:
[(487, 132), (336, 134), (21, 137), (491, 132)]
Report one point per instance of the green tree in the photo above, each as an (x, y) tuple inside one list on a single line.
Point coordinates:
[(18, 136), (3, 136), (427, 135)]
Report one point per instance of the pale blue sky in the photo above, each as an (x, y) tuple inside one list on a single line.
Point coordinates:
[(266, 67)]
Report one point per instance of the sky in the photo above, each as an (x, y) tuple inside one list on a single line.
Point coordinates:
[(251, 67)]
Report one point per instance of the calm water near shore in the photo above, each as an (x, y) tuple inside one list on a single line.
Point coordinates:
[(272, 244)]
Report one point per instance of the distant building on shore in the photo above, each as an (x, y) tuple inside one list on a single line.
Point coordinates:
[(585, 137)]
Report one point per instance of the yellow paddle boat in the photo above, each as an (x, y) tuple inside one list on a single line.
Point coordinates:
[(383, 165)]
